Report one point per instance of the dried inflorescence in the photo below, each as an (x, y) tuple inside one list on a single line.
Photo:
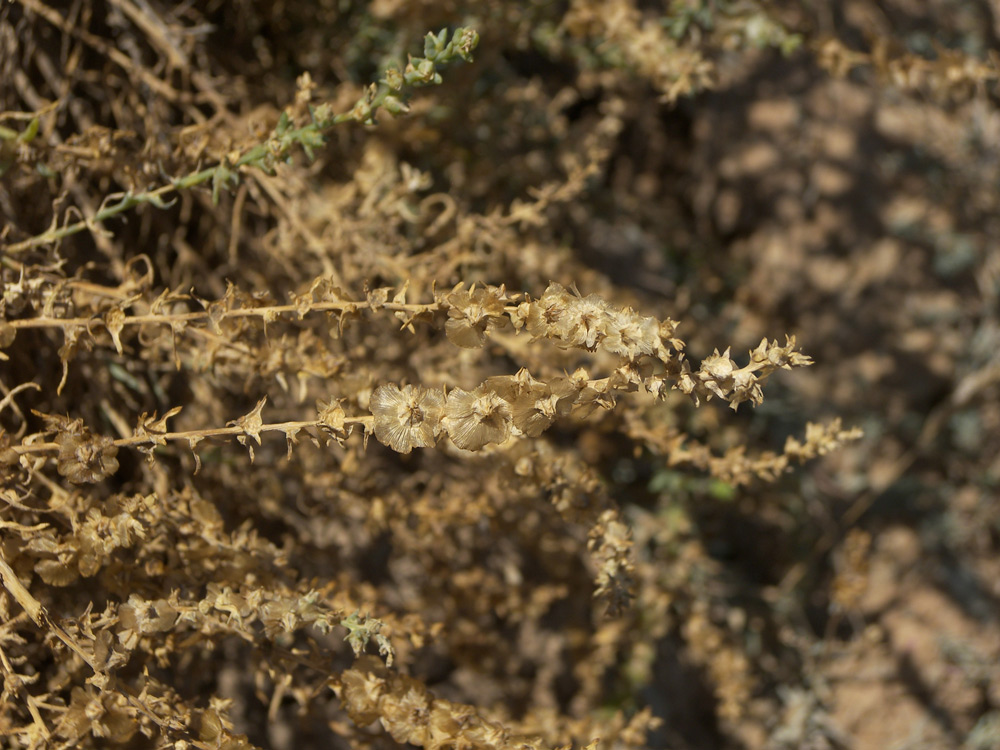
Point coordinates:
[(411, 714), (719, 375), (950, 75), (521, 404), (610, 544), (587, 322)]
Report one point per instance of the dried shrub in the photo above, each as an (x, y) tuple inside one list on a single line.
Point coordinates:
[(462, 274)]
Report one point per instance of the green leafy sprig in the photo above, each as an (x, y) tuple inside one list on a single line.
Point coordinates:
[(277, 148)]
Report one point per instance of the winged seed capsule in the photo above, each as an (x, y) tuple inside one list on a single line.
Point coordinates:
[(407, 417)]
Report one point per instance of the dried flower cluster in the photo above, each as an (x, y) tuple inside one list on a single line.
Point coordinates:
[(410, 714)]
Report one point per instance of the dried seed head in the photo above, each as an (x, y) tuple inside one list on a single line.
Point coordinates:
[(716, 374), (586, 322), (84, 458), (476, 418), (534, 410), (718, 366), (473, 312), (331, 415), (545, 315), (745, 387), (630, 335), (510, 387), (571, 390), (406, 712), (363, 687), (406, 418)]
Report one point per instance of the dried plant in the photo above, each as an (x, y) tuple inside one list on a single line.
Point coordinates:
[(493, 518)]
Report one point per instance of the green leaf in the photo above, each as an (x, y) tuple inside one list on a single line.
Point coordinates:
[(722, 491), (30, 132), (284, 122)]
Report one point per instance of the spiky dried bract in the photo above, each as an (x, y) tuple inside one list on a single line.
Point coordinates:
[(949, 75), (474, 419), (473, 313), (85, 458), (114, 321), (407, 417), (546, 314), (532, 404), (630, 335), (487, 415), (586, 322), (567, 318), (251, 425), (140, 617), (362, 689), (534, 410), (333, 420), (406, 713), (575, 394)]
